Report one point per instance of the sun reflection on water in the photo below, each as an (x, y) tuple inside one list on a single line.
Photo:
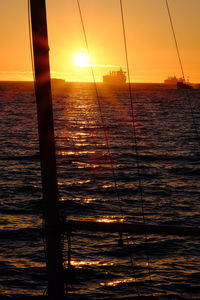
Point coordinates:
[(77, 182), (109, 219), (107, 186), (83, 165), (118, 282), (75, 153), (23, 263), (84, 263)]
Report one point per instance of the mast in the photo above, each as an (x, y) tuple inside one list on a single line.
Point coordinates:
[(47, 150)]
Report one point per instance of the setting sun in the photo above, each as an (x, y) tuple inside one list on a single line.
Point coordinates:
[(81, 60)]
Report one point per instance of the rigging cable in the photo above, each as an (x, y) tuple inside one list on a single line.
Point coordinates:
[(104, 129), (181, 65), (175, 39), (30, 39), (134, 135), (101, 114)]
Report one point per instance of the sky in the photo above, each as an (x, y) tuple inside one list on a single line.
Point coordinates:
[(151, 50)]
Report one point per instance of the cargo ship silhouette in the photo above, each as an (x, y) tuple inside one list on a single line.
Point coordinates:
[(115, 77), (178, 83)]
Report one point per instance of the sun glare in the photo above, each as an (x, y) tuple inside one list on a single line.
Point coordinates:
[(81, 60)]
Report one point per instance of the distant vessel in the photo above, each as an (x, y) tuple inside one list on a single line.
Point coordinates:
[(178, 83), (171, 80), (115, 77), (183, 85)]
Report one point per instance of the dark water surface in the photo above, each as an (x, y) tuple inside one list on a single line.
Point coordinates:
[(168, 148)]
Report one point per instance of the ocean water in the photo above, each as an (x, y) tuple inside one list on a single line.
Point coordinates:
[(99, 180)]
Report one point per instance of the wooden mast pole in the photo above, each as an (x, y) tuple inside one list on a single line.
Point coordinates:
[(47, 150)]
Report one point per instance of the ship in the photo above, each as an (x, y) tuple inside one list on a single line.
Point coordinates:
[(171, 80), (183, 85), (178, 83), (115, 77)]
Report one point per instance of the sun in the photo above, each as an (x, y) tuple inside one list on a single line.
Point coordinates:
[(81, 60)]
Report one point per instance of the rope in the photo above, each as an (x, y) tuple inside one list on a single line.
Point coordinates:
[(107, 145), (30, 39), (181, 66), (101, 114), (175, 39), (134, 135)]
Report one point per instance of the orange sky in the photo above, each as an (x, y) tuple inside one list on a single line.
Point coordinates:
[(151, 49)]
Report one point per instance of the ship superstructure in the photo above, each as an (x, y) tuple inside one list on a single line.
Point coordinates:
[(115, 77)]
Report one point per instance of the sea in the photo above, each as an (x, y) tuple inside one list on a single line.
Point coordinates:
[(121, 156)]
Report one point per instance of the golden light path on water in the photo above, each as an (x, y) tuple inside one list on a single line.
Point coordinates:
[(118, 282), (18, 222), (86, 192), (87, 263), (109, 219)]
